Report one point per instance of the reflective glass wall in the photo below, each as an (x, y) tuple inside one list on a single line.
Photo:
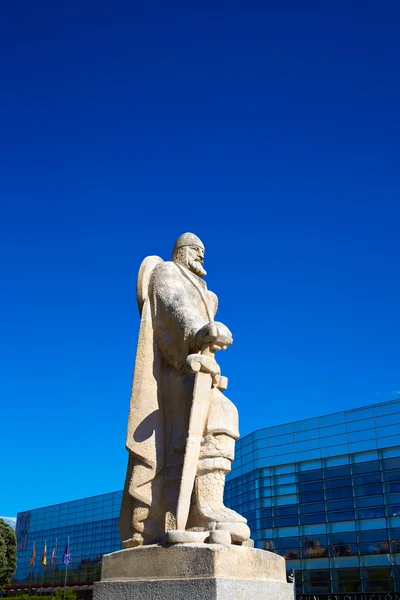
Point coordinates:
[(325, 494), (90, 524)]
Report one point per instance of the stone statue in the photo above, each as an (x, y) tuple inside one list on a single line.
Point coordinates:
[(181, 428)]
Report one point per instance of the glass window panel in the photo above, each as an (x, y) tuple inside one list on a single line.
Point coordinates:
[(364, 502), (390, 463), (315, 550), (311, 497), (306, 424), (345, 562), (260, 433), (278, 450), (314, 541), (374, 548), (368, 490), (313, 475), (387, 420), (313, 530), (393, 510), (361, 425), (368, 444), (390, 452), (346, 574), (306, 445), (334, 450), (311, 486), (286, 532), (388, 430), (387, 408), (313, 518), (377, 573), (311, 508), (308, 455), (357, 436), (285, 489), (367, 478), (286, 542), (393, 486), (259, 453), (342, 482), (339, 494), (343, 538), (285, 521), (281, 469), (282, 479), (335, 505), (283, 511), (334, 472), (344, 549), (372, 512), (334, 430), (300, 436), (264, 523), (282, 500), (342, 515), (342, 527), (333, 419), (309, 465), (380, 586), (314, 570), (365, 467), (281, 439), (358, 414), (333, 440), (371, 524), (280, 429), (391, 475), (281, 459), (335, 461)]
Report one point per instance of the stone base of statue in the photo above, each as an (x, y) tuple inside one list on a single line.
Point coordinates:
[(193, 572)]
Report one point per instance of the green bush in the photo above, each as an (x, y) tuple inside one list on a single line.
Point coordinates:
[(8, 553)]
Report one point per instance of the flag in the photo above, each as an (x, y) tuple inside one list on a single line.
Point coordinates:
[(44, 555), (33, 556), (66, 556), (53, 555)]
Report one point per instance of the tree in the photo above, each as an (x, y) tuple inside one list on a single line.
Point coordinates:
[(69, 594), (8, 553)]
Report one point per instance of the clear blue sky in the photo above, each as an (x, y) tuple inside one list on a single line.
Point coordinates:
[(270, 129)]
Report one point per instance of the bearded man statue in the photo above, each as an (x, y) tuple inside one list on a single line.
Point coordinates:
[(181, 427)]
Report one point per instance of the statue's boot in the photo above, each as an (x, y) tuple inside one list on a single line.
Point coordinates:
[(209, 505)]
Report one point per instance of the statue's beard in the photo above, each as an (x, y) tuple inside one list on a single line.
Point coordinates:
[(197, 268)]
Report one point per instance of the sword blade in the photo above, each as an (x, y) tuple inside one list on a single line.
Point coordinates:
[(198, 415)]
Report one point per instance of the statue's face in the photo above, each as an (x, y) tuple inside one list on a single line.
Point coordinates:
[(195, 254), (192, 257)]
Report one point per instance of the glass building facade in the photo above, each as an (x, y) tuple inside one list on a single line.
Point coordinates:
[(324, 493)]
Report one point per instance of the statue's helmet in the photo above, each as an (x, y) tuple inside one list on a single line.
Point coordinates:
[(187, 239)]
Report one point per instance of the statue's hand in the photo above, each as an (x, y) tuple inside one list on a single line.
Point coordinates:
[(215, 333)]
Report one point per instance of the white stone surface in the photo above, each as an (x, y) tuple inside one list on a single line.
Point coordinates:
[(181, 427)]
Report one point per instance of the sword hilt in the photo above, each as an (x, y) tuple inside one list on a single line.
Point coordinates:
[(206, 350), (209, 350)]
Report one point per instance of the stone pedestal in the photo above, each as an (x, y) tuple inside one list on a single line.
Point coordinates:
[(193, 572)]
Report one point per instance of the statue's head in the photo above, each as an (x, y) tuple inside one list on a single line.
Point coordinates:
[(189, 252)]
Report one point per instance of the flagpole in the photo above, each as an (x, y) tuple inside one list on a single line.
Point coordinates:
[(54, 568), (66, 569), (30, 583), (44, 563), (33, 556)]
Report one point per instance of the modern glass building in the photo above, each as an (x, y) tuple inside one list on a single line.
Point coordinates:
[(324, 493)]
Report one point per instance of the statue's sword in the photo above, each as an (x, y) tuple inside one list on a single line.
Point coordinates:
[(207, 375)]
